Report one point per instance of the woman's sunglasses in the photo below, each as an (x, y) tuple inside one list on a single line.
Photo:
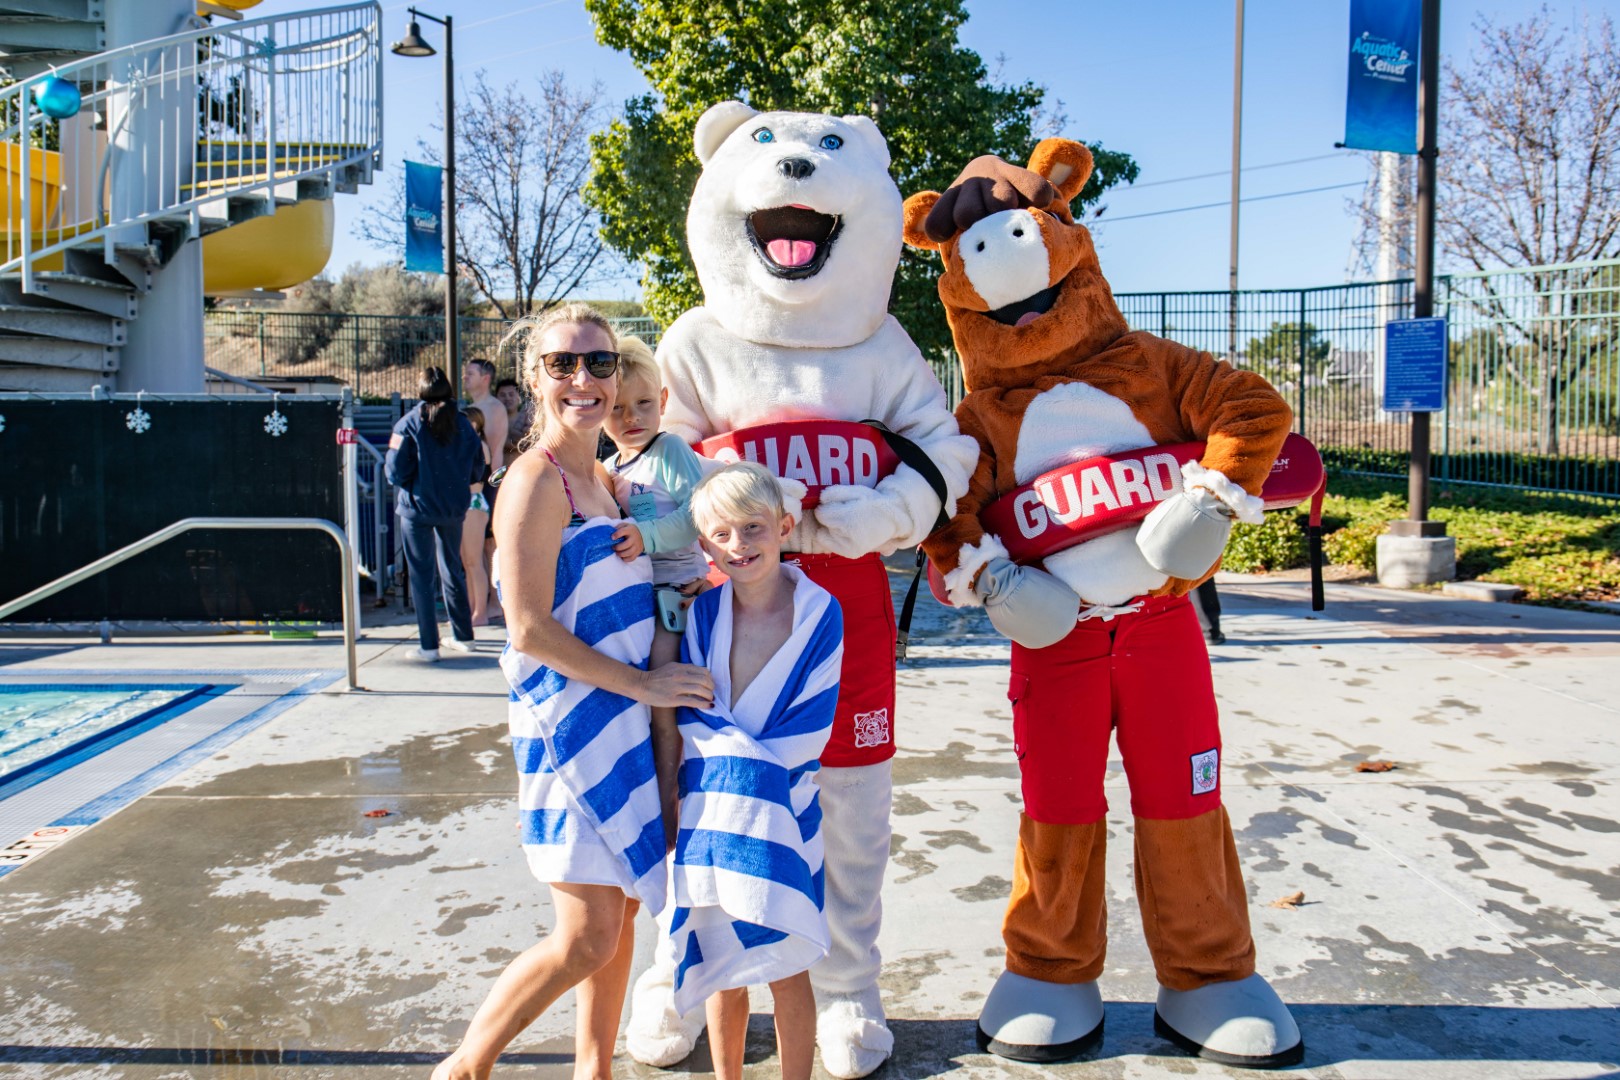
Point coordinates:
[(601, 363)]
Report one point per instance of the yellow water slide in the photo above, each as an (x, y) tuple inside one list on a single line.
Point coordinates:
[(272, 252)]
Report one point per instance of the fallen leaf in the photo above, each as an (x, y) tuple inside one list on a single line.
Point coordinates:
[(1375, 766), (218, 1022), (378, 813), (1289, 902)]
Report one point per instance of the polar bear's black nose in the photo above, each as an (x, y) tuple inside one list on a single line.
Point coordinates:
[(795, 168)]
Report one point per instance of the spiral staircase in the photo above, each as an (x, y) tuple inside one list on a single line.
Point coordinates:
[(211, 153)]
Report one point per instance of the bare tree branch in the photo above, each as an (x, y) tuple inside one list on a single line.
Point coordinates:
[(524, 235)]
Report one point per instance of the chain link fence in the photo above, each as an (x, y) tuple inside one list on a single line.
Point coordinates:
[(1533, 400)]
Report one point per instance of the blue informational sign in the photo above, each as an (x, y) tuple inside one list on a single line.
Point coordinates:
[(424, 200), (1381, 106), (1415, 365)]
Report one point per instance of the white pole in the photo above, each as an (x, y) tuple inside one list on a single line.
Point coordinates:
[(1237, 184)]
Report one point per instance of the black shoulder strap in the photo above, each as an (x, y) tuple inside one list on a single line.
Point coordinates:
[(913, 455)]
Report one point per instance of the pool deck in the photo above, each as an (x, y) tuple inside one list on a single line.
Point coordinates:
[(1461, 914)]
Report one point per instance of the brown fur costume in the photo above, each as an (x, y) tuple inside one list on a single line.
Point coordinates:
[(1189, 886)]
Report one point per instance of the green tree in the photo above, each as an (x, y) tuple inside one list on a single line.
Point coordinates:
[(897, 61), (1276, 353)]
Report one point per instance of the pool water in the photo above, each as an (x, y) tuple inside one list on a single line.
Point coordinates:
[(39, 722)]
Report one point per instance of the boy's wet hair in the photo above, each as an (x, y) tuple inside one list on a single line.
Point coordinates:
[(636, 362), (738, 491)]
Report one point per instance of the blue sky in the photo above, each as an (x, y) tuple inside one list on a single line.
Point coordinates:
[(1151, 77)]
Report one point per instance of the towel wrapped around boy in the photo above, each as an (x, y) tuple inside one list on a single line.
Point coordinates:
[(747, 880)]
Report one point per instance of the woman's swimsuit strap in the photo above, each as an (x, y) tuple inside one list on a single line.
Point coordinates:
[(575, 518)]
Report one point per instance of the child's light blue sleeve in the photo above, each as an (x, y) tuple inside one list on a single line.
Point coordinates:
[(677, 468)]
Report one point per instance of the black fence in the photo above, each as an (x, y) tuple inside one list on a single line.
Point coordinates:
[(83, 477)]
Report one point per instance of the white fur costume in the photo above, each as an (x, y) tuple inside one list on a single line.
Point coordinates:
[(808, 336)]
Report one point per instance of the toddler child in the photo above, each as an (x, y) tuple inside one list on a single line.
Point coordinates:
[(653, 478), (748, 899)]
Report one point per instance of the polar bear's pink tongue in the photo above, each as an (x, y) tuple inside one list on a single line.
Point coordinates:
[(792, 252)]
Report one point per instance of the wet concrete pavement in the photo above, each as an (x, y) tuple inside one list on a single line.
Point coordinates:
[(1461, 912)]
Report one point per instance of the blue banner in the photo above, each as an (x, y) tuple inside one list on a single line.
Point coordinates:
[(424, 200), (1381, 106)]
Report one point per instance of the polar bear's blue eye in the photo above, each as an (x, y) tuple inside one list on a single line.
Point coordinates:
[(831, 142), (764, 135)]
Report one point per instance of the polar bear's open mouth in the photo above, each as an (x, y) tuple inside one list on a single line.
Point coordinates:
[(793, 241), (1025, 311)]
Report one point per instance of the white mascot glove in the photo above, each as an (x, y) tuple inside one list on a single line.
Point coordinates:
[(858, 520), (1186, 533), (1028, 605)]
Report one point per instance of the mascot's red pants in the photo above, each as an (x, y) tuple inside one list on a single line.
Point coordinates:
[(863, 728), (1145, 678)]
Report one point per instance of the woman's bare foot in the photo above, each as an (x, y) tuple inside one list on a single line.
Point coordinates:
[(453, 1068)]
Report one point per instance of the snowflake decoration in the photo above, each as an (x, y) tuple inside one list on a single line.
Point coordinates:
[(275, 424), (138, 421)]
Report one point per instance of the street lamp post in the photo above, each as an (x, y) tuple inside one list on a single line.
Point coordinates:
[(412, 44)]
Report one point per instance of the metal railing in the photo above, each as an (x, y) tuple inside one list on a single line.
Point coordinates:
[(1533, 399), (351, 612), (176, 127), (376, 355)]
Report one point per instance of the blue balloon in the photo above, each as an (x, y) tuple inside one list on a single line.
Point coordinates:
[(57, 98)]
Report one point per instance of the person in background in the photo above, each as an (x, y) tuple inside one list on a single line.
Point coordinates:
[(519, 415), (473, 529), (435, 465), (1208, 610), (478, 377)]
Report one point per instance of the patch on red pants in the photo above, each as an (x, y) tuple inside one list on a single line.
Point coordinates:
[(1206, 771), (872, 728)]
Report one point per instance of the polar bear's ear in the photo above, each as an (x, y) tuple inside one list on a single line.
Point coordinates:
[(868, 131), (1065, 164), (916, 211), (718, 122)]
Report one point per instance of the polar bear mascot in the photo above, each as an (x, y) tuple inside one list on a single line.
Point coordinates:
[(795, 228)]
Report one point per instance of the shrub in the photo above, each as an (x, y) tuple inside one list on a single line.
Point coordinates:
[(1278, 543)]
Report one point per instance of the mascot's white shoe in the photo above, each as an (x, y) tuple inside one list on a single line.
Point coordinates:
[(853, 1033), (1235, 1023), (1025, 1019), (658, 1035)]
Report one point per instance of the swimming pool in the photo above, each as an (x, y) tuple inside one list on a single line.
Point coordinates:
[(43, 723)]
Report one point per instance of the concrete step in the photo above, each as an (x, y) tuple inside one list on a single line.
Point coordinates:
[(55, 353), (85, 326), (56, 290)]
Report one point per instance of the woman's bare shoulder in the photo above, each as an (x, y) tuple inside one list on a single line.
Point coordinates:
[(533, 486)]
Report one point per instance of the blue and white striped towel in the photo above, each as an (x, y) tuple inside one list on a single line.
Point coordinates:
[(587, 791), (749, 889)]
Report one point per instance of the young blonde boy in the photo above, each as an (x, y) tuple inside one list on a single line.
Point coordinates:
[(773, 641), (653, 479)]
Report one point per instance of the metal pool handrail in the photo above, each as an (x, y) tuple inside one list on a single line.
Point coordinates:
[(350, 614)]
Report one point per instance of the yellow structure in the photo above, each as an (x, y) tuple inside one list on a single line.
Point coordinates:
[(272, 252)]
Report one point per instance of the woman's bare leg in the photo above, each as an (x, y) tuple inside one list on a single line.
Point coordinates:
[(795, 1025), (472, 560), (590, 921), (727, 1011), (599, 1002)]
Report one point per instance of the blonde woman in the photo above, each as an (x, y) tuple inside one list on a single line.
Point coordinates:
[(579, 625)]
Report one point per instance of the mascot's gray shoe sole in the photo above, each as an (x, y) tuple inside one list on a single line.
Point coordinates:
[(1028, 1020), (1234, 1023)]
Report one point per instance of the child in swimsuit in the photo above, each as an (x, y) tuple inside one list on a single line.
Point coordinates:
[(653, 478)]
